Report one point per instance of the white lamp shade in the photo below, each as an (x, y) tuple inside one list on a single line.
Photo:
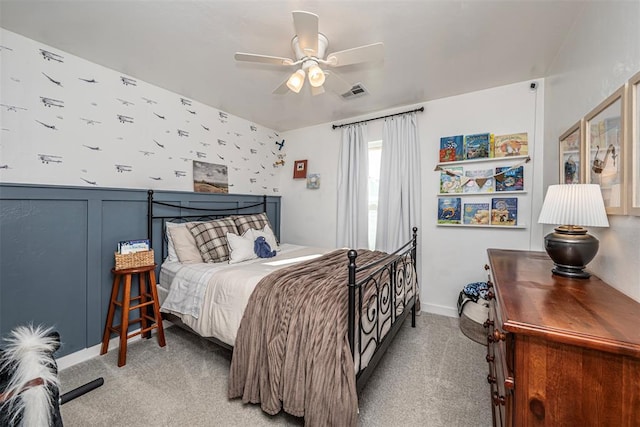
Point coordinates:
[(316, 76), (296, 81), (574, 204)]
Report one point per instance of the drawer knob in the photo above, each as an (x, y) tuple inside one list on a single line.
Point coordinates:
[(498, 336), (490, 358), (491, 379), (490, 295), (487, 323), (537, 408), (497, 399), (486, 267)]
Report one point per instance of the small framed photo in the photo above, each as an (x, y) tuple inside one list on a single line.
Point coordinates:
[(605, 151), (570, 155), (313, 181), (299, 169)]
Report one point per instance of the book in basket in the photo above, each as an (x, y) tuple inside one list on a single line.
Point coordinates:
[(129, 246)]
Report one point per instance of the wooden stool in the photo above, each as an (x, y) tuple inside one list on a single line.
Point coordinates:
[(146, 299)]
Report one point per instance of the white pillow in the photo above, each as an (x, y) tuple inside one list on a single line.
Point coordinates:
[(241, 247), (268, 235), (181, 245), (171, 250), (184, 245)]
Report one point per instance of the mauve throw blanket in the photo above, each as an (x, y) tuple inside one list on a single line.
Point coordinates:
[(292, 350)]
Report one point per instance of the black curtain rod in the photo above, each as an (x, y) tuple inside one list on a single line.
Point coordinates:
[(417, 110)]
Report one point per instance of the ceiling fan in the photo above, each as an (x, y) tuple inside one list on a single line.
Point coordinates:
[(310, 48)]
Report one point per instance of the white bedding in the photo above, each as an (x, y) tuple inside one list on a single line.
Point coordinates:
[(211, 298), (227, 288)]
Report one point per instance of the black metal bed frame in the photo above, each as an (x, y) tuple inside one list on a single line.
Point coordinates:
[(206, 214), (390, 276)]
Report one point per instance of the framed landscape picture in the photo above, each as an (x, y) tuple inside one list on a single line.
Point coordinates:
[(210, 177), (605, 151), (571, 155)]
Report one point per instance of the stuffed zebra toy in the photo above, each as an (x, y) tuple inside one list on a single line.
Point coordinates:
[(29, 386)]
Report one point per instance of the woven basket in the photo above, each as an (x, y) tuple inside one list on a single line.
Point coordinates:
[(134, 260), (472, 319)]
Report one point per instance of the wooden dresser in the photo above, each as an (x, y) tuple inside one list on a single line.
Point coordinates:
[(562, 352)]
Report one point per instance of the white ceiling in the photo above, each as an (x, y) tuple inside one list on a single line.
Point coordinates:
[(433, 49)]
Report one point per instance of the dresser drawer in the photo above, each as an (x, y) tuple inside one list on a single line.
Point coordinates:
[(500, 359)]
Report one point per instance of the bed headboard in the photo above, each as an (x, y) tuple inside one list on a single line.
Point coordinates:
[(163, 207)]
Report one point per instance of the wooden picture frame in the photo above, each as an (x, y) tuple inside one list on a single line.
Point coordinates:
[(570, 146), (605, 151), (633, 144), (299, 169)]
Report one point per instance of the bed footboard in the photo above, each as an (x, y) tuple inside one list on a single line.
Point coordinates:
[(379, 303)]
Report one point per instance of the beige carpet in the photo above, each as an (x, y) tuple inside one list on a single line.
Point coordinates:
[(431, 376)]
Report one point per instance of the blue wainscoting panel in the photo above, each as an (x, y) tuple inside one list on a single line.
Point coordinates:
[(57, 249), (43, 248)]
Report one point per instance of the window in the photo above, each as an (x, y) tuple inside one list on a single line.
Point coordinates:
[(375, 150)]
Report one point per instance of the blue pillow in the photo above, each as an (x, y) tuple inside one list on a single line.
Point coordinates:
[(262, 248)]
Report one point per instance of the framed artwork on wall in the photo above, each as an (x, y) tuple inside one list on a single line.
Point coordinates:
[(313, 181), (210, 177), (633, 185), (299, 169), (604, 153), (571, 171)]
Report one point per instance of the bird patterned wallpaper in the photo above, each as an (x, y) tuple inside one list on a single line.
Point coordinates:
[(67, 121)]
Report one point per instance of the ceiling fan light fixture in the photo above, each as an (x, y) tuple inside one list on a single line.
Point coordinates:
[(310, 49), (316, 76), (296, 81)]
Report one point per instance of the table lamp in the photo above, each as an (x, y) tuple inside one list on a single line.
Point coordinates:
[(574, 206)]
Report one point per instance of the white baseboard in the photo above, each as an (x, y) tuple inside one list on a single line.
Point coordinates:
[(439, 309), (91, 352)]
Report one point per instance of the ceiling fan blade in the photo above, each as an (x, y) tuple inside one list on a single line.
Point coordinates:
[(370, 52), (316, 90), (263, 59), (306, 26), (283, 89), (336, 84)]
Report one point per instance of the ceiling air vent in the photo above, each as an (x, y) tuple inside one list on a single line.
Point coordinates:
[(356, 91)]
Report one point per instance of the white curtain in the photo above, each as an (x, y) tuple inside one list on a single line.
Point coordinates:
[(353, 174), (399, 196)]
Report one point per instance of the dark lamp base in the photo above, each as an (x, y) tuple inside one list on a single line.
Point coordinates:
[(568, 271), (571, 249)]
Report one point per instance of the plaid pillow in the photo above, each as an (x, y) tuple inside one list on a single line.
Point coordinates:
[(211, 238), (247, 222)]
